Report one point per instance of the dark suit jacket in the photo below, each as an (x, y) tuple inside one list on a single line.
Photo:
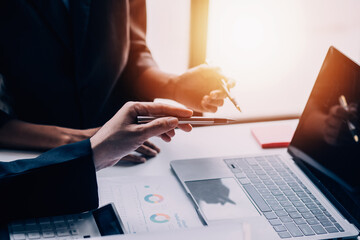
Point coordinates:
[(60, 181), (71, 68)]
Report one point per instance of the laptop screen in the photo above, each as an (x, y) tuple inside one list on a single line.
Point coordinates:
[(326, 141)]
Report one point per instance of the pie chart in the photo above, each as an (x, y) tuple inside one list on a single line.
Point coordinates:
[(153, 198), (160, 218)]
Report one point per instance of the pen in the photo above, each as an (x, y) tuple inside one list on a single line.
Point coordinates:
[(231, 98), (192, 120), (227, 91), (351, 126)]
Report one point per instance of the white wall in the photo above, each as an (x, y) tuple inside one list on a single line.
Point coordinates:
[(168, 33), (275, 48)]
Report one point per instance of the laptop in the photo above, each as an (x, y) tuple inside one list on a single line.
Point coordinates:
[(312, 191), (103, 221)]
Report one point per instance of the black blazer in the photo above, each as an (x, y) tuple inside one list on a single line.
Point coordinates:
[(60, 181), (71, 68)]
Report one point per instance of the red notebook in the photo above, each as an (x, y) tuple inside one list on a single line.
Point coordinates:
[(273, 136)]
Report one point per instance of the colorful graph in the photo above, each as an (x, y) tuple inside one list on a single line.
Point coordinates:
[(160, 218), (153, 198)]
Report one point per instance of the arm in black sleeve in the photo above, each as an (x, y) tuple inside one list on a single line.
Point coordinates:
[(60, 181)]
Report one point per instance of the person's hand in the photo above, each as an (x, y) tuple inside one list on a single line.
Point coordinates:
[(147, 150), (200, 88), (336, 131), (121, 135)]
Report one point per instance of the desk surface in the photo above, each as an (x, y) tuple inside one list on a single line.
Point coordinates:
[(213, 141), (202, 142)]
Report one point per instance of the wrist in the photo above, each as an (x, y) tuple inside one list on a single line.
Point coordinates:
[(172, 87)]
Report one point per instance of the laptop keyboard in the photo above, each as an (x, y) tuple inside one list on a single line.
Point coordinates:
[(46, 228), (285, 201)]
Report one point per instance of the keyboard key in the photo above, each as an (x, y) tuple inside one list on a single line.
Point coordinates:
[(312, 221), (251, 161), (332, 219), (74, 232), (286, 219), (58, 219), (339, 227), (316, 211), (34, 235), (275, 222), (263, 191), (281, 213), (244, 181), (326, 223), (276, 192), (307, 215), (280, 228), (321, 217), (293, 198), (18, 228), (19, 236), (290, 209), (240, 175), (307, 231), (318, 229), (284, 235), (302, 209), (273, 187), (270, 215), (298, 204), (63, 233), (326, 213), (48, 234), (60, 225), (294, 215), (299, 221), (306, 200), (294, 230), (311, 205), (259, 201), (289, 193), (285, 204), (281, 198), (331, 229), (276, 207)]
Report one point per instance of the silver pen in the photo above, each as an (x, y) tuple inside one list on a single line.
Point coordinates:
[(352, 128), (191, 120)]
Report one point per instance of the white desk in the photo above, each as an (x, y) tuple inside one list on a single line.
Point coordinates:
[(200, 142)]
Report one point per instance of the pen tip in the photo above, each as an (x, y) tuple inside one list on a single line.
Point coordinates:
[(238, 108)]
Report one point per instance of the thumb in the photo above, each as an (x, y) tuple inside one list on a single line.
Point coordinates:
[(159, 126)]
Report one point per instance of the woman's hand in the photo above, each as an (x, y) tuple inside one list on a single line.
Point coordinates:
[(200, 88), (121, 134)]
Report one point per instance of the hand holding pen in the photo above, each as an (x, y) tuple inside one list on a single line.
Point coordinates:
[(227, 91), (351, 126)]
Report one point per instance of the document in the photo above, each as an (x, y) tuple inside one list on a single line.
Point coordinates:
[(149, 204)]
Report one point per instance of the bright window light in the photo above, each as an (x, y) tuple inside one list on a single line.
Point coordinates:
[(274, 49)]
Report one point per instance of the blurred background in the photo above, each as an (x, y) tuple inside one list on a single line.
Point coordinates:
[(274, 49)]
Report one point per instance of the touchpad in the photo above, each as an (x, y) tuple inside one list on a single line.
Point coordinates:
[(221, 199)]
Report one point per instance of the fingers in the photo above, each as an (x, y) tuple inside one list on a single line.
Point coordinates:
[(147, 151), (217, 94), (338, 112), (185, 127), (211, 104), (159, 127), (133, 158), (158, 109), (152, 146)]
